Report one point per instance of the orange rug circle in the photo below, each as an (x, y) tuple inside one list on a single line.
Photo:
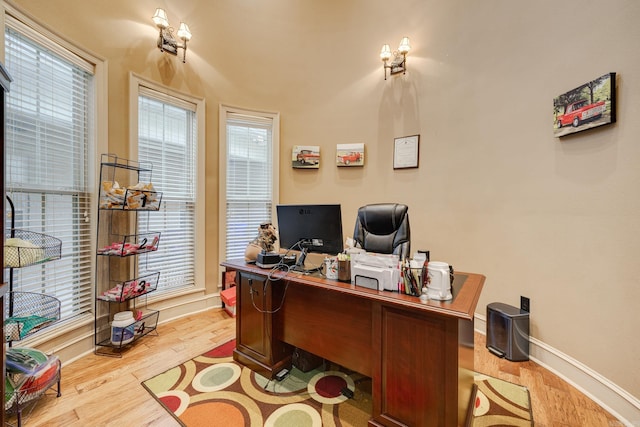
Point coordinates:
[(226, 415)]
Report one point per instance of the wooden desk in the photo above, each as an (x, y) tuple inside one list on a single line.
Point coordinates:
[(419, 355)]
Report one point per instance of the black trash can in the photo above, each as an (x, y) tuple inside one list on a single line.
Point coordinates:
[(508, 331)]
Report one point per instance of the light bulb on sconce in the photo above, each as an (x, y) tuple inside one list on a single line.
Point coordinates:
[(399, 62), (160, 18), (385, 53), (184, 33), (166, 40)]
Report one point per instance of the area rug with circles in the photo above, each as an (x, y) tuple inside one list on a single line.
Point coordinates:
[(213, 390)]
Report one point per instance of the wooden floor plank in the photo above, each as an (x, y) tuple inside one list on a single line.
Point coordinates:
[(554, 402), (105, 391)]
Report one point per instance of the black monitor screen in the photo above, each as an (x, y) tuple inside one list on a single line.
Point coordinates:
[(316, 227)]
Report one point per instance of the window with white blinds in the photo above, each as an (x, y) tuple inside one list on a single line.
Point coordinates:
[(49, 134), (250, 187), (167, 138)]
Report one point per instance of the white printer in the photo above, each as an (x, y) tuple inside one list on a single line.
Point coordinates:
[(375, 271)]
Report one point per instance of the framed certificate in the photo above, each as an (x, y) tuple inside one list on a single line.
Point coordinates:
[(405, 152)]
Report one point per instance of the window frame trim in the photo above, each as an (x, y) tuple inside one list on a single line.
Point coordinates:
[(224, 109), (135, 83)]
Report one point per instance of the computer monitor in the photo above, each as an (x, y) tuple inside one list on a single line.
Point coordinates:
[(310, 228)]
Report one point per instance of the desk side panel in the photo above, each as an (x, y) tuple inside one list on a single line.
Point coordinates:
[(257, 298), (253, 324), (466, 369), (418, 381)]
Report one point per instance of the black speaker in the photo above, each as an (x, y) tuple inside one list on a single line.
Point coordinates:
[(508, 332)]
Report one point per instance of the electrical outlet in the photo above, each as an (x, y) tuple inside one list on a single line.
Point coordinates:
[(525, 304)]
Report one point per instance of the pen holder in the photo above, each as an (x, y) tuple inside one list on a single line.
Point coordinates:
[(344, 270), (411, 281)]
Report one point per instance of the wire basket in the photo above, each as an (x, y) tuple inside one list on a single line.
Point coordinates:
[(21, 389), (132, 288), (28, 313), (23, 248), (132, 244)]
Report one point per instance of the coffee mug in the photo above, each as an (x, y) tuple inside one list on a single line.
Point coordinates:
[(331, 268), (439, 281)]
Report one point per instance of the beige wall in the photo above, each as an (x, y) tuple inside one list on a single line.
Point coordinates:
[(555, 220)]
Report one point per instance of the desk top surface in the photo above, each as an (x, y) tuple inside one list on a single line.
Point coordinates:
[(466, 290)]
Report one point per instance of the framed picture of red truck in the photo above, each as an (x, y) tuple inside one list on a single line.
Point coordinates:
[(590, 105), (305, 157)]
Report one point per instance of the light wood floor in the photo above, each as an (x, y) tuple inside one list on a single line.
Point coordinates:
[(106, 391), (555, 403)]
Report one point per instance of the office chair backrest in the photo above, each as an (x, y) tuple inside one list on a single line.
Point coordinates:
[(384, 228)]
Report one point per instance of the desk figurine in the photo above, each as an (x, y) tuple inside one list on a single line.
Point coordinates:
[(263, 243)]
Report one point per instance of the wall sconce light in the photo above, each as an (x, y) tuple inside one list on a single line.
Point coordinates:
[(399, 63), (166, 40)]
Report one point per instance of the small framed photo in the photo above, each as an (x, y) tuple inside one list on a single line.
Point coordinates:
[(590, 105), (406, 151), (305, 157), (350, 155)]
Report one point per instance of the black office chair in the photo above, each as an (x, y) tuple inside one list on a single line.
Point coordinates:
[(383, 228)]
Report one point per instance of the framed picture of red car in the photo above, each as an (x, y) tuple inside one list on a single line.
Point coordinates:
[(350, 155), (590, 105)]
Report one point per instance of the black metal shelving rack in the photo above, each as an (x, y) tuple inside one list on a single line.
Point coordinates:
[(125, 195), (28, 312)]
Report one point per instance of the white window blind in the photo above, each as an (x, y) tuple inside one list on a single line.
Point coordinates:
[(167, 138), (49, 133), (249, 178)]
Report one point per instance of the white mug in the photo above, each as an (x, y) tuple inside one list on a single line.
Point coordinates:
[(331, 268), (439, 284)]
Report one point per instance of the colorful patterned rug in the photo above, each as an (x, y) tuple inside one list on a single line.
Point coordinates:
[(213, 390), (500, 403)]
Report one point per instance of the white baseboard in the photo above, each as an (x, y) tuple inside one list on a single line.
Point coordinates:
[(620, 403)]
